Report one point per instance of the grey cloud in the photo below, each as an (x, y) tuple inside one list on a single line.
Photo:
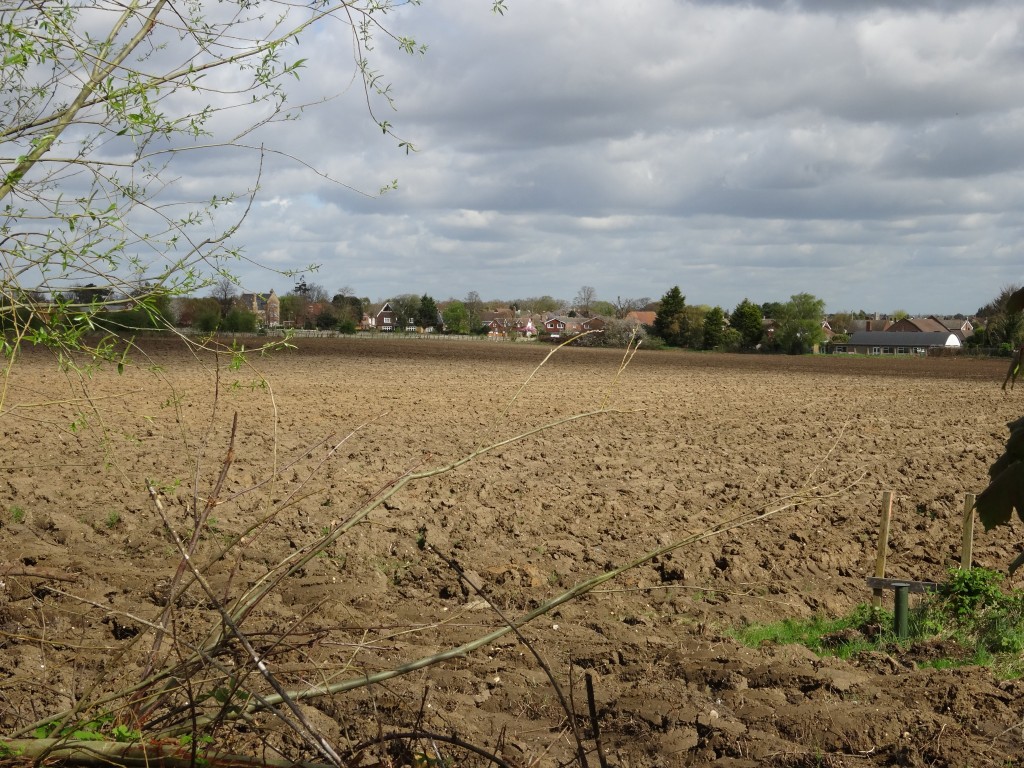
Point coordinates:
[(738, 149)]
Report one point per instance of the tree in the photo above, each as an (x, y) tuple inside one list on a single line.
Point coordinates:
[(326, 319), (542, 305), (772, 309), (748, 320), (585, 296), (314, 293), (732, 340), (670, 321), (998, 305), (406, 307), (240, 320), (800, 321), (456, 317), (82, 296), (348, 308), (624, 306), (106, 105), (293, 310), (693, 326), (602, 309), (842, 322), (714, 328), (474, 308), (1004, 327), (225, 292), (191, 311), (427, 313), (617, 333)]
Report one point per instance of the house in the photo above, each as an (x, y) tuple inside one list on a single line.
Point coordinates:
[(497, 323), (594, 324), (933, 324), (386, 318), (497, 326), (898, 343), (267, 306), (555, 326)]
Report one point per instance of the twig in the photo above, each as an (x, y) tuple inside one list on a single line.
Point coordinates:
[(307, 732), (12, 569), (418, 734), (103, 754), (594, 725), (739, 521), (581, 752)]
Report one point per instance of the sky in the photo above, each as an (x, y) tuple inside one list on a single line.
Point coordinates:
[(869, 153)]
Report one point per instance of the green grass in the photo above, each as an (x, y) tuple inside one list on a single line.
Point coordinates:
[(983, 624), (17, 514), (842, 636)]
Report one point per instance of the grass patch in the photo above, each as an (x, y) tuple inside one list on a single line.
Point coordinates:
[(971, 620), (843, 636)]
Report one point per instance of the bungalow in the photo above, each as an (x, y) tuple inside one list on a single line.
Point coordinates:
[(898, 343)]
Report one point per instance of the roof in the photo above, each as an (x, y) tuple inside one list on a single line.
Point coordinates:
[(904, 339), (643, 317), (923, 324)]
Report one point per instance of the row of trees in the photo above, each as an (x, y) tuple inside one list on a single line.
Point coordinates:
[(310, 305), (797, 326)]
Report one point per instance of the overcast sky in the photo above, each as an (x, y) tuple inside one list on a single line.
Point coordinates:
[(869, 153)]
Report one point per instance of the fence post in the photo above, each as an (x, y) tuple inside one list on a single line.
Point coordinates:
[(883, 546)]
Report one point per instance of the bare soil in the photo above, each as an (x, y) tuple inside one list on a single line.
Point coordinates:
[(680, 444)]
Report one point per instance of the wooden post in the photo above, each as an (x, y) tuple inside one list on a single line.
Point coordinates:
[(967, 547), (883, 546)]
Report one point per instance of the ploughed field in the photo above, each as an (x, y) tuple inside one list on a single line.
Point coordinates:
[(801, 449)]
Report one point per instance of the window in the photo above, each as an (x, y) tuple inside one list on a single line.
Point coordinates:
[(901, 350), (876, 350)]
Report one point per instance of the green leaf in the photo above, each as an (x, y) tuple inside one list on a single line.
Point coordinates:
[(87, 735)]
